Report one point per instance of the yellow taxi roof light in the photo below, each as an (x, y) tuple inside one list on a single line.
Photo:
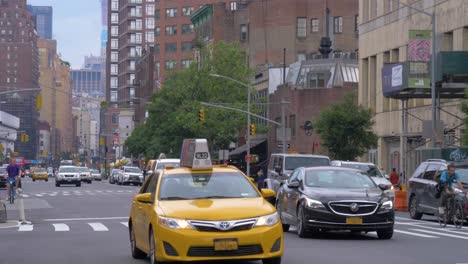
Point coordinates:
[(196, 154)]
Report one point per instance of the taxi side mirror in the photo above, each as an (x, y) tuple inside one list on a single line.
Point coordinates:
[(144, 198), (251, 179), (268, 193)]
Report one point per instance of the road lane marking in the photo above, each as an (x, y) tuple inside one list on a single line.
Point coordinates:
[(61, 227), (120, 191), (98, 227), (413, 234), (124, 223), (436, 228), (25, 228), (439, 233), (39, 195), (85, 219), (428, 222), (25, 196)]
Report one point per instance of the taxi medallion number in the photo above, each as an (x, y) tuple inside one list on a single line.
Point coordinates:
[(201, 155), (225, 244), (354, 221)]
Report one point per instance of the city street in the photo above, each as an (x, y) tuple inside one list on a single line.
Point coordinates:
[(88, 225)]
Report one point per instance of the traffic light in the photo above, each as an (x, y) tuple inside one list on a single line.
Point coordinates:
[(24, 137), (252, 129), (39, 102), (201, 116)]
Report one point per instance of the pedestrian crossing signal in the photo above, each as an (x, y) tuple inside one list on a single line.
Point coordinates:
[(252, 129), (201, 116)]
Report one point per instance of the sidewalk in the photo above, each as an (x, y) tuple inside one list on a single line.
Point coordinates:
[(9, 224)]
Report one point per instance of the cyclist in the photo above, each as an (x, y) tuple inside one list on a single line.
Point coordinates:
[(446, 180), (12, 174)]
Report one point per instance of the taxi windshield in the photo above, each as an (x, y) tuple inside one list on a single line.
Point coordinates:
[(39, 170), (167, 164), (216, 185)]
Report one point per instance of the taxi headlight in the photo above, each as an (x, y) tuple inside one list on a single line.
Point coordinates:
[(387, 205), (314, 204), (174, 223), (268, 220)]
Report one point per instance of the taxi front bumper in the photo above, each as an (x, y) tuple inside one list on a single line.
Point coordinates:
[(40, 177), (192, 245)]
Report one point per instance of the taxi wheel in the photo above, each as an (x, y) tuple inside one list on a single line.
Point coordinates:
[(272, 261), (136, 252), (152, 252)]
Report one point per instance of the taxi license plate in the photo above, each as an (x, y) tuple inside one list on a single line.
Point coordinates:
[(225, 244), (354, 221)]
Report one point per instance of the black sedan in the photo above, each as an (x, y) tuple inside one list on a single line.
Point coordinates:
[(332, 198)]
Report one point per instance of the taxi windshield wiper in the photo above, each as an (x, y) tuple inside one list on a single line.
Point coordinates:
[(215, 197), (174, 198)]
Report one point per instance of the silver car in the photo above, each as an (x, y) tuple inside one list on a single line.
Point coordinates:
[(68, 175), (130, 175), (114, 175), (96, 175), (85, 174)]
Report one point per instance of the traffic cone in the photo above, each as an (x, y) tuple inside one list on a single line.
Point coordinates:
[(401, 201)]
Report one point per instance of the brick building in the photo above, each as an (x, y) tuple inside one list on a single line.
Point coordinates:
[(19, 70), (147, 85)]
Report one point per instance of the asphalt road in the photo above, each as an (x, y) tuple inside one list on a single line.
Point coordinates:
[(87, 225)]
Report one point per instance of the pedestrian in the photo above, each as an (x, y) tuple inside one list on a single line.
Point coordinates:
[(261, 178), (12, 173), (394, 178)]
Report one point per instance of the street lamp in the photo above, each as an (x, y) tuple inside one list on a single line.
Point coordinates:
[(433, 65), (249, 89)]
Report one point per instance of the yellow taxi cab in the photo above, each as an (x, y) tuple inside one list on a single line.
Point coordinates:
[(200, 212), (38, 173)]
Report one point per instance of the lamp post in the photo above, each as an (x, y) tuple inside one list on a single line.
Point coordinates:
[(249, 89), (433, 67)]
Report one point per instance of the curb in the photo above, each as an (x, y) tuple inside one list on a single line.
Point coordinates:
[(9, 224)]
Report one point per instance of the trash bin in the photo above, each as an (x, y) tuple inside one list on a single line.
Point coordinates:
[(3, 213)]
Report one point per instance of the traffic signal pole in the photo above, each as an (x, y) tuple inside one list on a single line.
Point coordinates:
[(249, 88)]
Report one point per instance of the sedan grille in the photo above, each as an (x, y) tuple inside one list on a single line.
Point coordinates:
[(353, 208), (210, 252)]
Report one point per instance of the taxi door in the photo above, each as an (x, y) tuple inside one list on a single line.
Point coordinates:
[(146, 212)]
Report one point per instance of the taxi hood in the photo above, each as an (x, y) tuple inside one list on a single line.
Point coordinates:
[(216, 209)]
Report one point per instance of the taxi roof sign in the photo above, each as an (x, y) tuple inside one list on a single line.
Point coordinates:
[(196, 154)]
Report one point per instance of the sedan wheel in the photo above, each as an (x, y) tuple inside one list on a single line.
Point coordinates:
[(413, 210), (136, 252), (301, 229)]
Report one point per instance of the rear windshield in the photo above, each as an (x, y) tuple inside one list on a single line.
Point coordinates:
[(167, 164), (293, 163)]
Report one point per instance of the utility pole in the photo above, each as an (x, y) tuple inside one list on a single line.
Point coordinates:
[(283, 124), (249, 88)]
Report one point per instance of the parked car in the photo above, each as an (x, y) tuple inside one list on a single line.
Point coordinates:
[(130, 175), (96, 175), (332, 198), (422, 187), (85, 174), (113, 176), (281, 166), (68, 175), (2, 174)]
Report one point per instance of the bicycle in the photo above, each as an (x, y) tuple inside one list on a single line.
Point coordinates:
[(454, 211), (12, 191)]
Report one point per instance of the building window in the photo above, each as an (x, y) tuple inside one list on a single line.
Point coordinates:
[(138, 50), (301, 27), (114, 31), (115, 117), (171, 12), (132, 95), (114, 18), (244, 32), (157, 14), (139, 24), (138, 37), (150, 10), (157, 66), (114, 69), (157, 31), (292, 125), (132, 68), (114, 82), (171, 47), (150, 36), (314, 25), (187, 29), (356, 23), (156, 49), (186, 46), (171, 30), (114, 43), (187, 11), (114, 56), (233, 6), (150, 23), (338, 24), (170, 64), (186, 63), (113, 97), (115, 5)]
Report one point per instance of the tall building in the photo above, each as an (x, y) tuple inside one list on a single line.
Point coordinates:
[(19, 70), (64, 135), (87, 81), (387, 38), (43, 19)]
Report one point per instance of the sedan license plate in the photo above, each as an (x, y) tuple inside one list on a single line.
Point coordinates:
[(354, 221), (225, 244)]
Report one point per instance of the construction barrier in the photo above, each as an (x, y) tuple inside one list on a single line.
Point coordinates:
[(401, 203)]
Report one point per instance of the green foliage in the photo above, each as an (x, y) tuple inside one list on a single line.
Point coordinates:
[(346, 129), (465, 120), (173, 113)]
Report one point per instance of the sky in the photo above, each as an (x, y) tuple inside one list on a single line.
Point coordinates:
[(76, 27)]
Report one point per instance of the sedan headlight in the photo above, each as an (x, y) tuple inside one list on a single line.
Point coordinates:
[(387, 205), (174, 223), (268, 220), (314, 204), (126, 176)]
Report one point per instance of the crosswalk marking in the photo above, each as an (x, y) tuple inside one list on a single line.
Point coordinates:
[(98, 227), (413, 234), (439, 233), (61, 227), (124, 223), (39, 195), (25, 228), (437, 228)]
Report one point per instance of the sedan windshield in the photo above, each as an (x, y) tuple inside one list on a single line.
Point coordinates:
[(94, 171), (340, 179), (68, 169), (463, 172), (217, 185), (83, 169), (132, 170), (370, 170), (293, 163)]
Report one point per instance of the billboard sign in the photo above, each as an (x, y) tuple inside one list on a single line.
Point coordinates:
[(419, 45), (393, 78)]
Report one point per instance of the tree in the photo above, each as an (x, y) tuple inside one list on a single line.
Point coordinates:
[(173, 113), (346, 129)]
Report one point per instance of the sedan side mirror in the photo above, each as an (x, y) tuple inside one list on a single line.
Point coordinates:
[(144, 198), (384, 187), (293, 185)]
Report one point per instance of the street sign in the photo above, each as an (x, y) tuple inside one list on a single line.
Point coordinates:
[(281, 145), (248, 158)]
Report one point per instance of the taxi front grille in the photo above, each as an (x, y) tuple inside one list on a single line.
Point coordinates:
[(215, 229), (224, 226), (210, 252)]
